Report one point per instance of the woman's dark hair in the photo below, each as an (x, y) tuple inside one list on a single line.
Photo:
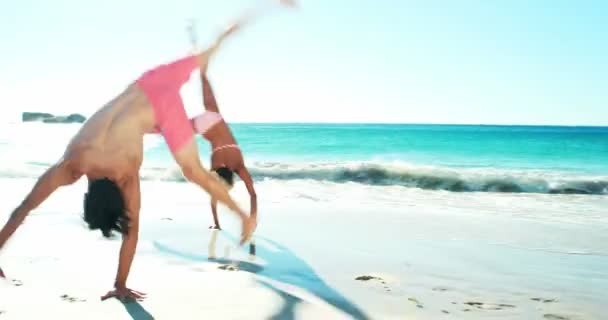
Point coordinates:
[(226, 174), (104, 207)]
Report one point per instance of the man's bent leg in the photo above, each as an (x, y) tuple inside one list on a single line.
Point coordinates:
[(187, 159)]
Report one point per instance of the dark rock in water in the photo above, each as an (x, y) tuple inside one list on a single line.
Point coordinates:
[(35, 116), (555, 317), (49, 118), (58, 119), (75, 117), (445, 311)]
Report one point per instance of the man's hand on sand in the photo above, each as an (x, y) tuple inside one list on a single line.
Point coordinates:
[(124, 294)]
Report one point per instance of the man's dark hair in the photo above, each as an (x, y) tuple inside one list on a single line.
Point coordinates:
[(226, 174), (104, 208)]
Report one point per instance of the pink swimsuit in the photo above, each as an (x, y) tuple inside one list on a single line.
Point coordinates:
[(162, 85), (205, 121)]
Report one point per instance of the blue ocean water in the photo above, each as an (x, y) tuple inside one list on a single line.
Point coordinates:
[(458, 158), (575, 149), (546, 159)]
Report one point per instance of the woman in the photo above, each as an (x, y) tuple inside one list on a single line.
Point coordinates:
[(108, 150), (226, 156)]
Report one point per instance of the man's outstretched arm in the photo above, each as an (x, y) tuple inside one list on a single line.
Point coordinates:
[(132, 194), (56, 176)]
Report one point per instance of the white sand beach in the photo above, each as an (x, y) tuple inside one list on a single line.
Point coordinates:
[(427, 255)]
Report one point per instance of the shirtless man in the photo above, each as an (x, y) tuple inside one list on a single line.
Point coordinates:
[(108, 150)]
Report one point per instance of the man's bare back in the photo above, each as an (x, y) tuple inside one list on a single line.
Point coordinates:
[(110, 143)]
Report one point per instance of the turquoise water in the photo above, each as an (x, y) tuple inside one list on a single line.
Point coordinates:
[(572, 149), (448, 157)]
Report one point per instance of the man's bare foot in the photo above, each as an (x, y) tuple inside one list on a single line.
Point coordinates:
[(216, 227)]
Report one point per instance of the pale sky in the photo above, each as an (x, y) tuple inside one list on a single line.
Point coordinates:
[(427, 61)]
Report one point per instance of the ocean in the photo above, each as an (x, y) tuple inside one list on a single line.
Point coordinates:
[(455, 158)]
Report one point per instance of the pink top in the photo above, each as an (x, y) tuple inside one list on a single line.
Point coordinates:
[(205, 121)]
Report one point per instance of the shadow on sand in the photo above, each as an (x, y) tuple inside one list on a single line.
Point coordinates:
[(136, 311), (281, 265)]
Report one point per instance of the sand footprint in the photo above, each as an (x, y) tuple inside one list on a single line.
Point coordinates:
[(552, 316), (368, 278), (488, 306), (67, 298), (228, 267), (16, 283), (414, 300)]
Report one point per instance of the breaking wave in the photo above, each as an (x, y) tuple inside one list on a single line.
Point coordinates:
[(389, 174)]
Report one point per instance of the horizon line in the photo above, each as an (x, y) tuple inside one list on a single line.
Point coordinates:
[(421, 124), (384, 123)]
